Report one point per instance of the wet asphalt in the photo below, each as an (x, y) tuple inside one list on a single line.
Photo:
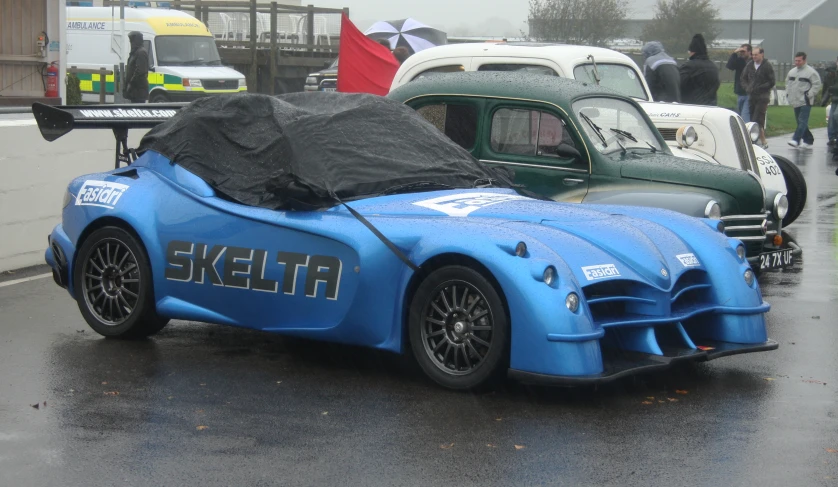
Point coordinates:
[(210, 405)]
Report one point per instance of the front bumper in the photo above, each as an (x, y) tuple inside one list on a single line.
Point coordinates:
[(189, 96), (620, 363), (59, 256)]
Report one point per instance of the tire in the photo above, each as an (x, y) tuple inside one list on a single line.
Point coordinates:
[(450, 348), (797, 191), (158, 97), (113, 285)]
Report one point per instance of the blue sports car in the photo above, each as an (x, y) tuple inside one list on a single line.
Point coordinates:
[(351, 219)]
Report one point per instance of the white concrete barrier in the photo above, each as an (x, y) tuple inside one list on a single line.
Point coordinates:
[(33, 179)]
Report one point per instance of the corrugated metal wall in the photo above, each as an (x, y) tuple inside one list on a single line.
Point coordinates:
[(21, 21)]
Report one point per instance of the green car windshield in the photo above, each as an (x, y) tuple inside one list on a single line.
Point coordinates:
[(614, 125)]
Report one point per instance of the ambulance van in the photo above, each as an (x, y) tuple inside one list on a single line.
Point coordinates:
[(183, 61)]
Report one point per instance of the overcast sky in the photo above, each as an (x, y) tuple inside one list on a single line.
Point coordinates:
[(457, 17)]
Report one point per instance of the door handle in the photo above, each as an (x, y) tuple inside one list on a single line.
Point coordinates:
[(572, 181)]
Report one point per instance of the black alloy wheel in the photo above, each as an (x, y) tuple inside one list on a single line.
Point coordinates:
[(458, 328), (113, 285)]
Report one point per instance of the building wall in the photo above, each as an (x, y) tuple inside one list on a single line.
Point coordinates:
[(778, 36), (819, 33)]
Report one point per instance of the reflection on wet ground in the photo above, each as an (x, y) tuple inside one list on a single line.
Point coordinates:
[(203, 404)]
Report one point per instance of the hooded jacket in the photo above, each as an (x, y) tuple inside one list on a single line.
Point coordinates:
[(802, 86), (699, 81), (135, 87), (661, 73)]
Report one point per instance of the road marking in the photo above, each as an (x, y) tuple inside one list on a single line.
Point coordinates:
[(18, 123), (25, 279)]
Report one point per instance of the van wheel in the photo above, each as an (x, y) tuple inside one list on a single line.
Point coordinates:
[(158, 97), (458, 328), (113, 285), (795, 187)]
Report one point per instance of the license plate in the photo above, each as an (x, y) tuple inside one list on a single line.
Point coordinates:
[(330, 89), (776, 259)]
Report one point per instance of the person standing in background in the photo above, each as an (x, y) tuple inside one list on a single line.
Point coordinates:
[(736, 63), (758, 80), (830, 94), (661, 73), (803, 84), (136, 70), (699, 75)]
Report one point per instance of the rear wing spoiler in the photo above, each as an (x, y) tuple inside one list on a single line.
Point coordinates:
[(55, 121)]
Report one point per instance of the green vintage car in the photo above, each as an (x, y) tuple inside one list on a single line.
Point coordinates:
[(573, 142)]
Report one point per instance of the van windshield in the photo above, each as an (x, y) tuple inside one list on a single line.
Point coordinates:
[(186, 51)]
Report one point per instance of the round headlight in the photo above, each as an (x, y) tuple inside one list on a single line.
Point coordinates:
[(68, 197), (572, 302), (781, 206), (713, 210), (686, 136), (549, 275), (521, 249), (740, 252), (749, 277), (753, 131)]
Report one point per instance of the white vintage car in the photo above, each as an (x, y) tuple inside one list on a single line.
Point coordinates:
[(712, 134)]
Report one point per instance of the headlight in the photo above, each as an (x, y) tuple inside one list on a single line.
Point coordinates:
[(686, 136), (749, 277), (68, 197), (311, 80), (521, 249), (243, 83), (781, 206), (713, 210), (572, 302), (192, 82), (753, 131), (740, 252), (549, 275)]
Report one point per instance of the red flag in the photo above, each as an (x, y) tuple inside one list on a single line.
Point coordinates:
[(364, 66)]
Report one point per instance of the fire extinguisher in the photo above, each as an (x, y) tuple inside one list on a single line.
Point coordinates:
[(52, 81)]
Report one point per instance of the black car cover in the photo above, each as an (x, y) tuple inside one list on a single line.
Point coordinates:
[(306, 150)]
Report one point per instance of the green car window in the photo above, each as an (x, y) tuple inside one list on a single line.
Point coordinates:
[(458, 122), (614, 124), (528, 133), (619, 77)]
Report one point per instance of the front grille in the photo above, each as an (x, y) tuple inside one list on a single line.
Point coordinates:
[(328, 83), (748, 228), (220, 84), (623, 302), (744, 149), (668, 134)]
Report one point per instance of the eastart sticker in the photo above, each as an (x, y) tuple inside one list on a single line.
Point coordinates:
[(689, 260), (465, 203), (602, 271), (100, 193)]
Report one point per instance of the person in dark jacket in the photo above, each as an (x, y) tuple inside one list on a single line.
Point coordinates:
[(736, 63), (758, 81), (135, 88), (699, 75), (830, 95), (661, 72)]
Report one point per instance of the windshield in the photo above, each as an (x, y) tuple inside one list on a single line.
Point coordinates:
[(186, 51), (614, 125), (619, 77)]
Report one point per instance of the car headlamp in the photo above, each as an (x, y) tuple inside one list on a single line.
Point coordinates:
[(572, 302), (686, 136), (550, 275), (781, 206), (243, 83), (740, 252), (749, 277), (521, 249), (713, 210), (68, 197), (311, 80), (753, 131), (194, 83)]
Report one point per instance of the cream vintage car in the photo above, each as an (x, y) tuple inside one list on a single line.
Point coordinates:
[(712, 134)]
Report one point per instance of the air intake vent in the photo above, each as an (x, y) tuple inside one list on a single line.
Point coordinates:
[(668, 134)]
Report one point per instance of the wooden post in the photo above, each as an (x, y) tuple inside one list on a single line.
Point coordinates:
[(274, 50), (254, 67), (310, 25), (103, 81)]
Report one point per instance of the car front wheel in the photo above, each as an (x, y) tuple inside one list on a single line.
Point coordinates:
[(796, 190), (113, 285), (458, 327)]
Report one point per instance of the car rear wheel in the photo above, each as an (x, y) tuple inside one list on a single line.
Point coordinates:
[(459, 331), (795, 186), (113, 285)]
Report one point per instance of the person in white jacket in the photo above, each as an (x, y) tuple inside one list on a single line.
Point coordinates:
[(802, 87)]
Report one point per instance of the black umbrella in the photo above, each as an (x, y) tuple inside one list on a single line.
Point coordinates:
[(408, 33)]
